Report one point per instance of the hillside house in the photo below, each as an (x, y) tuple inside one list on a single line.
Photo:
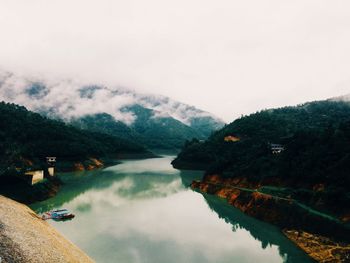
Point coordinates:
[(276, 148)]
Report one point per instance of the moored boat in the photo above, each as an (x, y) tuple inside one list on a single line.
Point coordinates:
[(59, 214)]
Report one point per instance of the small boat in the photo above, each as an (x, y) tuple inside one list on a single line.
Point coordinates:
[(59, 214), (67, 216)]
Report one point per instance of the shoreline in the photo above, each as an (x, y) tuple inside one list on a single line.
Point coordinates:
[(309, 231), (20, 191), (320, 248)]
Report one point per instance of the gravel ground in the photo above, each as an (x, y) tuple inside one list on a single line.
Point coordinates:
[(25, 237)]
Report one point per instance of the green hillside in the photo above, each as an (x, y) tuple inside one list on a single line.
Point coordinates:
[(28, 137), (316, 138)]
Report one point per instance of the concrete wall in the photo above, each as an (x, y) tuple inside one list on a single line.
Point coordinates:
[(51, 171), (36, 176)]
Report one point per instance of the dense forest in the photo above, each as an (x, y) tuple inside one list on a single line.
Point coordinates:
[(315, 137), (27, 137)]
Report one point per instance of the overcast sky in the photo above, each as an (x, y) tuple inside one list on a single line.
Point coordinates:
[(228, 57)]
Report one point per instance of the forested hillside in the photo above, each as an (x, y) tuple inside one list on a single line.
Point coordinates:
[(27, 137), (316, 138)]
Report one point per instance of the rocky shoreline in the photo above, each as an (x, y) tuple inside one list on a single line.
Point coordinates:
[(313, 230), (321, 249)]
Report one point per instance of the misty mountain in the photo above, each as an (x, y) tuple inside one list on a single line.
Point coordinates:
[(105, 123), (164, 132), (156, 121)]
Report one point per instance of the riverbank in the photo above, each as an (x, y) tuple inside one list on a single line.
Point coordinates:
[(19, 190), (285, 213), (25, 237), (145, 208)]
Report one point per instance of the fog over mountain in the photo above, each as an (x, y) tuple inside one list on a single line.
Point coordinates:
[(229, 58), (69, 99), (152, 120)]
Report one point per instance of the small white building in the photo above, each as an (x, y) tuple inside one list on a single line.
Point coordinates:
[(34, 176), (51, 161)]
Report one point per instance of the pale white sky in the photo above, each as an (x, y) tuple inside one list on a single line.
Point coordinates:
[(228, 57)]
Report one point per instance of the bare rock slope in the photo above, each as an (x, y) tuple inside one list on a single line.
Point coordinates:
[(25, 237)]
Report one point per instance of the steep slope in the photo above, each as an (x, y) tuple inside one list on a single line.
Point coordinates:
[(82, 104), (24, 237)]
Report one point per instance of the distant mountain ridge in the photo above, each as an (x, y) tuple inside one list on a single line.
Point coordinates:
[(157, 121)]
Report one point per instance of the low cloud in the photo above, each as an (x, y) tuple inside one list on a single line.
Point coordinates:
[(229, 57), (69, 99)]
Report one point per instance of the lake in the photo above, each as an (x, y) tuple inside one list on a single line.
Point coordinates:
[(144, 211)]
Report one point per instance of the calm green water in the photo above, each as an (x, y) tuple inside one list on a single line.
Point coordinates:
[(143, 211)]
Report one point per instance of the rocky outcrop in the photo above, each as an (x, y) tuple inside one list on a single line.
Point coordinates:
[(320, 248), (90, 164), (25, 237)]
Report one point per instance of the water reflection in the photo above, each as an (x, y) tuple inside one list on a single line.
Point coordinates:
[(143, 211), (267, 234), (132, 178)]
